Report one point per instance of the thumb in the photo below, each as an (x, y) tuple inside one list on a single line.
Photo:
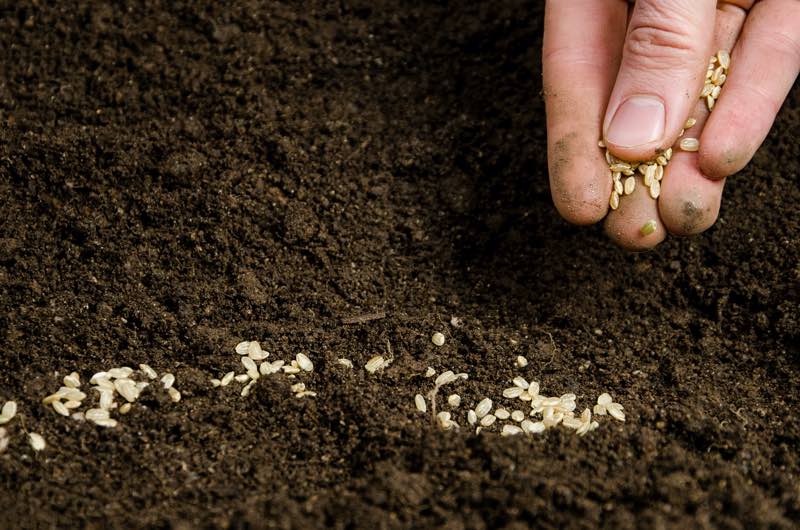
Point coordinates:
[(664, 62)]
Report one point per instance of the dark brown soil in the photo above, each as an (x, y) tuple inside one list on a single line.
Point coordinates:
[(176, 178)]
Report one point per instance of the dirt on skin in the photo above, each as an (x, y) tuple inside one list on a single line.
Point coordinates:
[(178, 176)]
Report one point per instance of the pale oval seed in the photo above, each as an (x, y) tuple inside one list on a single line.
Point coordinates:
[(304, 362), (125, 408), (522, 362), (502, 414), (59, 407), (248, 363), (521, 382), (241, 348), (454, 400), (419, 402), (510, 430), (513, 392), (487, 420), (37, 442), (630, 185), (690, 144), (614, 200), (472, 418), (375, 364), (226, 379), (149, 372), (438, 339), (483, 407), (655, 189)]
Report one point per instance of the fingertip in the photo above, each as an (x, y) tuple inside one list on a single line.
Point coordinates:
[(579, 180), (690, 201), (582, 205), (635, 225), (721, 158)]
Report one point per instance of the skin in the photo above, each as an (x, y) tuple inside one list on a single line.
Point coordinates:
[(660, 49)]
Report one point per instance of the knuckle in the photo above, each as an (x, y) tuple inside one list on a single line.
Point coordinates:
[(660, 45)]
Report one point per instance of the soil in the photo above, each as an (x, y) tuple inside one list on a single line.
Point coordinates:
[(178, 176)]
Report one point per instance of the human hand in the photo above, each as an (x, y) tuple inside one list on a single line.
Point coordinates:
[(634, 73)]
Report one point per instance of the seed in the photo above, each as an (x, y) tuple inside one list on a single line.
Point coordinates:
[(724, 59), (521, 382), (253, 374), (616, 176), (59, 407), (487, 420), (255, 352), (125, 408), (72, 380), (242, 378), (615, 410), (290, 369), (215, 382), (375, 364), (169, 379), (226, 379), (659, 174), (513, 392), (707, 89), (721, 80), (105, 382), (248, 363), (472, 418), (502, 414), (510, 430), (108, 422), (444, 420), (96, 414), (305, 393), (149, 372), (661, 160), (716, 91), (601, 144), (668, 154), (8, 411), (689, 123), (715, 76), (620, 166), (304, 362), (246, 390), (445, 378), (127, 389), (648, 228), (347, 363), (106, 400), (241, 348), (619, 189), (419, 401), (614, 200), (71, 393), (437, 339), (710, 102), (517, 415), (72, 404), (690, 144), (610, 158), (454, 400), (649, 174), (531, 427), (430, 372), (630, 185), (37, 442), (120, 373), (522, 362), (298, 387), (655, 189), (483, 407)]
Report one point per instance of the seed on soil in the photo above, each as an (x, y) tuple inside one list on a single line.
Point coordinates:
[(72, 380), (72, 404), (419, 401), (59, 407), (445, 422), (125, 408), (120, 373), (4, 439), (108, 422), (242, 378), (174, 394), (648, 228), (127, 389), (37, 442), (483, 408), (255, 352), (241, 348), (522, 362), (375, 364), (690, 144), (347, 363), (96, 414), (226, 379), (521, 382), (149, 372), (445, 378), (106, 400), (304, 362), (8, 411), (488, 420), (472, 418), (298, 387), (430, 372), (437, 339), (510, 430), (502, 414), (517, 415), (246, 390), (532, 427), (215, 382), (513, 392), (454, 400)]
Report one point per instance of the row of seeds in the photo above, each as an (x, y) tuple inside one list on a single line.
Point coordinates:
[(716, 75), (553, 410)]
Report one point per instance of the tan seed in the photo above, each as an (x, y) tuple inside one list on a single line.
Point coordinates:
[(689, 123), (630, 185), (707, 89), (649, 174), (619, 189), (419, 402), (716, 91), (724, 59), (710, 102), (655, 189), (659, 174), (722, 79), (668, 154), (620, 166), (614, 201), (690, 144)]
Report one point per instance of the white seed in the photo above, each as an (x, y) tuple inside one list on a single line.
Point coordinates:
[(255, 352), (246, 390), (521, 382), (572, 423), (304, 362), (610, 158), (120, 373), (347, 363), (96, 414), (724, 59), (620, 166), (430, 372), (106, 400), (661, 160), (149, 372), (104, 382), (242, 378), (483, 407), (305, 393), (298, 387), (488, 420), (108, 422), (533, 389), (72, 380), (72, 404), (472, 418), (290, 369), (614, 200), (437, 339), (513, 392), (249, 364), (715, 76), (619, 187), (659, 174), (242, 347), (253, 374), (604, 399), (615, 410), (454, 400), (502, 414), (98, 376), (127, 389), (550, 402), (125, 408), (710, 101), (668, 154), (707, 89), (655, 189), (375, 364), (522, 362), (532, 427), (71, 393), (715, 93), (510, 430), (649, 174), (444, 420), (721, 80), (215, 382), (445, 378), (8, 411), (689, 144), (419, 401), (37, 442), (59, 407), (630, 185), (226, 379), (517, 415)]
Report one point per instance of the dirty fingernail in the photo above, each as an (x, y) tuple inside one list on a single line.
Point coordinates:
[(638, 121)]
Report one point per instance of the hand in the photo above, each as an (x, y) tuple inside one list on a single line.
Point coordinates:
[(634, 73)]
